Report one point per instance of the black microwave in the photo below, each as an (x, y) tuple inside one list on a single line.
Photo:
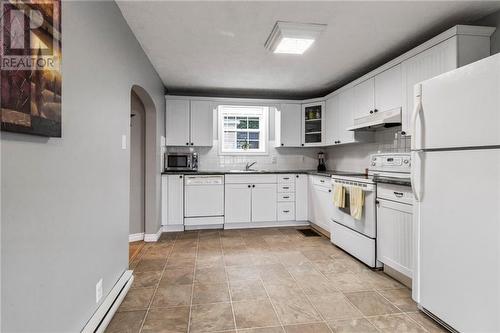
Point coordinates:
[(181, 161)]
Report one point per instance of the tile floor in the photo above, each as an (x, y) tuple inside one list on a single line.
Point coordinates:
[(261, 281)]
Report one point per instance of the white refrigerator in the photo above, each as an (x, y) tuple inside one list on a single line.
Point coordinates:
[(456, 182)]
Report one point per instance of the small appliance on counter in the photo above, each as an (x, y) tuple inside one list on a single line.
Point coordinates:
[(321, 162), (181, 161)]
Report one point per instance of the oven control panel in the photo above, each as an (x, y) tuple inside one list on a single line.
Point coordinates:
[(395, 162)]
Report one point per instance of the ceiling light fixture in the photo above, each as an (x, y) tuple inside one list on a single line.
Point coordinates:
[(293, 38)]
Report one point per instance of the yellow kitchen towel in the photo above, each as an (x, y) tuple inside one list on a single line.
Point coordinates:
[(339, 196), (356, 201)]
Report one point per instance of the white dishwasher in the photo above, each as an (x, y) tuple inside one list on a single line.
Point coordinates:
[(203, 201)]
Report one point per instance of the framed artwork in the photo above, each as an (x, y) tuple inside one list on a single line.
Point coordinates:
[(31, 80)]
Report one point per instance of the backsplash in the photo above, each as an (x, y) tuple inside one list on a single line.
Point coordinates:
[(277, 159), (356, 157)]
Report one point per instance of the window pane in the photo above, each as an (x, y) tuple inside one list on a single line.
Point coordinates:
[(242, 136), (253, 136), (229, 140), (253, 123), (254, 144), (242, 122), (243, 144), (229, 122)]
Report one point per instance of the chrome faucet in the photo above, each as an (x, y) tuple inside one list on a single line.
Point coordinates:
[(249, 165)]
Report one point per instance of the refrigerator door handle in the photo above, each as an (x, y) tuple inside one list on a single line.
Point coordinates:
[(416, 112), (415, 175)]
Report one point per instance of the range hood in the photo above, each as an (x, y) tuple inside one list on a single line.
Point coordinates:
[(377, 120)]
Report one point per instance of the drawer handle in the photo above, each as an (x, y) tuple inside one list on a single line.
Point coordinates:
[(398, 194), (322, 181), (285, 187), (286, 211), (286, 178), (287, 197)]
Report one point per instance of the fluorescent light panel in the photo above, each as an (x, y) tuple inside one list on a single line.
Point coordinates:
[(293, 38)]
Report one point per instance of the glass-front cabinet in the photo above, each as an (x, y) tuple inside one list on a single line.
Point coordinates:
[(312, 123)]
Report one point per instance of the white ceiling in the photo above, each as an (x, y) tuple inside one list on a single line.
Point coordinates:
[(205, 47)]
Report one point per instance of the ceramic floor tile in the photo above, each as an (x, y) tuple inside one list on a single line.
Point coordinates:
[(169, 320), (210, 275), (211, 317), (247, 290), (257, 313), (126, 322), (352, 326), (399, 323), (428, 323), (335, 306), (235, 273), (210, 293), (371, 304), (146, 279), (277, 329), (295, 311), (308, 328), (177, 276), (172, 295), (279, 290), (150, 265), (400, 298), (137, 299), (348, 282)]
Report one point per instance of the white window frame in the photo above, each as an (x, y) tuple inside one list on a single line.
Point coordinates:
[(225, 110)]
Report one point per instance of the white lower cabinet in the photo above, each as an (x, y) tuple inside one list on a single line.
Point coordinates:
[(301, 197), (320, 201), (395, 236), (238, 203), (173, 201), (264, 202)]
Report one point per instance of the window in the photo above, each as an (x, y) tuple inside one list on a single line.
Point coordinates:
[(242, 129)]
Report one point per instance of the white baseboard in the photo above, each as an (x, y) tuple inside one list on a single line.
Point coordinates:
[(173, 228), (104, 313), (270, 224), (135, 237), (153, 237), (204, 227)]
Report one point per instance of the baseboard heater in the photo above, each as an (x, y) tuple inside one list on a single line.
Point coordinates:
[(105, 312)]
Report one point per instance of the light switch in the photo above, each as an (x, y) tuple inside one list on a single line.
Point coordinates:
[(124, 141)]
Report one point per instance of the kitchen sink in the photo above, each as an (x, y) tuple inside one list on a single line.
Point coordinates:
[(247, 171)]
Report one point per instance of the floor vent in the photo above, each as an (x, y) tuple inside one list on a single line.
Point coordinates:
[(309, 233)]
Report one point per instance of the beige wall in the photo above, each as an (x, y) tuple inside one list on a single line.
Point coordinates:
[(137, 164)]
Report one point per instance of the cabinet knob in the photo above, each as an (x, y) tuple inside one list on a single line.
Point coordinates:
[(296, 176), (187, 143), (371, 111), (253, 185), (302, 145), (329, 191), (375, 110), (282, 144), (180, 176), (249, 186), (338, 141), (192, 143), (403, 133)]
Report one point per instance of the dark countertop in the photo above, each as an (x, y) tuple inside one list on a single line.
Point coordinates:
[(327, 173)]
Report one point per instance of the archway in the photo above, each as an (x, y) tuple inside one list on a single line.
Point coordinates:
[(151, 163)]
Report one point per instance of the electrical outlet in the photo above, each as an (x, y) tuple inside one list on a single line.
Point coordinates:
[(98, 291), (124, 141)]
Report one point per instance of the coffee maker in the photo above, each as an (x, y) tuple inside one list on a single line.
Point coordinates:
[(321, 161)]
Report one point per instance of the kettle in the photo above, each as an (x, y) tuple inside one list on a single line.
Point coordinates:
[(321, 161)]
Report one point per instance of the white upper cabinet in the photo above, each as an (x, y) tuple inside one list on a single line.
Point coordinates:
[(202, 115), (364, 96), (332, 114), (313, 124), (388, 89), (189, 122), (450, 54), (288, 126), (177, 122)]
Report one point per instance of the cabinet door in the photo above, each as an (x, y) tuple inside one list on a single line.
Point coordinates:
[(202, 117), (364, 95), (264, 202), (177, 122), (175, 200), (164, 199), (237, 203), (388, 89), (301, 197), (332, 115), (325, 207), (432, 62), (346, 116), (395, 236), (312, 124), (289, 126)]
